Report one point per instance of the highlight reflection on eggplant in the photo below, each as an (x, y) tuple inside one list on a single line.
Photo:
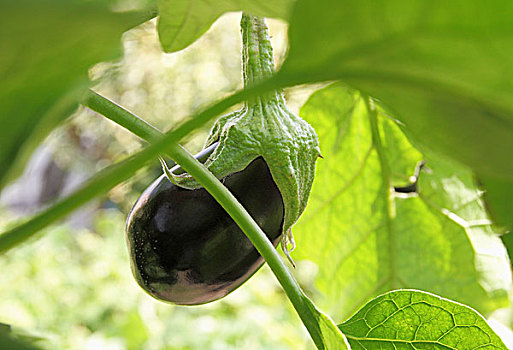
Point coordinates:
[(184, 247)]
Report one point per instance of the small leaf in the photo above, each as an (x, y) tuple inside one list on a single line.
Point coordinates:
[(181, 22), (410, 319), (367, 240), (47, 48)]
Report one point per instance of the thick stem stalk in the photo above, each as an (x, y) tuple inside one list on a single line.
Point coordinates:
[(121, 116), (257, 57), (251, 229)]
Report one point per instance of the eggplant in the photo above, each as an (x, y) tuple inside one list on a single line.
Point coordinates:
[(184, 247)]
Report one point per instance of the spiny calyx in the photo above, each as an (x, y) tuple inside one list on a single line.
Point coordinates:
[(264, 127)]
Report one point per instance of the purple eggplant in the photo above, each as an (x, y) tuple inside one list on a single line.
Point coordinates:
[(185, 249)]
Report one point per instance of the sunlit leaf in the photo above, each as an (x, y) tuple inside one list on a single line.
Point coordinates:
[(181, 22), (443, 67), (367, 240), (410, 319)]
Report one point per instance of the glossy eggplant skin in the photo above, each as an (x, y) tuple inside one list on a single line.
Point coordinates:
[(185, 249)]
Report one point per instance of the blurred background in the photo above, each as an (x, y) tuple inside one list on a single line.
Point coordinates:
[(73, 287)]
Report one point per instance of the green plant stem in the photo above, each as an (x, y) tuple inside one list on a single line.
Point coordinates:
[(255, 234), (138, 126), (121, 116)]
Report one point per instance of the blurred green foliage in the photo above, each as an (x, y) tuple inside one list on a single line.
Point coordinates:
[(75, 289)]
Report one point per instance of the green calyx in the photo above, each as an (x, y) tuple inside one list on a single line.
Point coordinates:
[(264, 127)]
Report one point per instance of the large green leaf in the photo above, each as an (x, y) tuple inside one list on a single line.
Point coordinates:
[(443, 67), (366, 240), (181, 22), (410, 319), (46, 49)]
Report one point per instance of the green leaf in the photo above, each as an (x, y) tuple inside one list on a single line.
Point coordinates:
[(47, 48), (182, 22), (366, 240), (443, 67), (410, 319)]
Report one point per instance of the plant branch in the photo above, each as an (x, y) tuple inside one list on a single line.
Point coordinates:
[(111, 110), (121, 116), (255, 234)]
